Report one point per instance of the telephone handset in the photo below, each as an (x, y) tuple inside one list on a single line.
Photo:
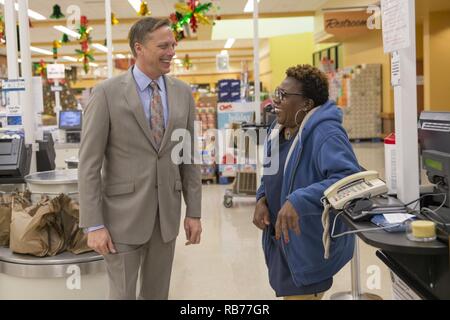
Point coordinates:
[(366, 184)]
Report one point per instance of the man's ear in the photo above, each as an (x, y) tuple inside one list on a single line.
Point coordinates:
[(137, 47)]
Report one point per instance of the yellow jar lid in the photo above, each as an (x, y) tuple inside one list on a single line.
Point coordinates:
[(423, 229)]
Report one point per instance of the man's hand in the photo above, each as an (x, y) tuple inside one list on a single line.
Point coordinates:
[(100, 241), (261, 214), (193, 229), (287, 219)]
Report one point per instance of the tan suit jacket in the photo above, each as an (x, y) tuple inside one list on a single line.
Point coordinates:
[(122, 178)]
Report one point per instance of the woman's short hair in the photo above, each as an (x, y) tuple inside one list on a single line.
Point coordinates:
[(314, 82)]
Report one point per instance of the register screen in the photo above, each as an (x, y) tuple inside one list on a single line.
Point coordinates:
[(70, 119)]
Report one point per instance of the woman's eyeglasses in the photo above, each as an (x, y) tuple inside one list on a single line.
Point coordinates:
[(280, 94)]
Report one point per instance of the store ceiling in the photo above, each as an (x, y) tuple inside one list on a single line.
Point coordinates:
[(203, 49)]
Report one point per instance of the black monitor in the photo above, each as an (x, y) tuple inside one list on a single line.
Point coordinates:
[(70, 120), (45, 157), (15, 160), (434, 137)]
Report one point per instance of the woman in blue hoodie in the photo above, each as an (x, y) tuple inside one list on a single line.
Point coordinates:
[(312, 151)]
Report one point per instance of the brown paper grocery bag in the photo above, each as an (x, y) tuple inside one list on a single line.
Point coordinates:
[(76, 239), (5, 219), (37, 230), (22, 200)]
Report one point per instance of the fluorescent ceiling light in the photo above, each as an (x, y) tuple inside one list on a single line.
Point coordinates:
[(120, 56), (229, 43), (39, 50), (31, 13), (35, 15), (136, 4), (249, 6), (100, 47), (68, 58), (68, 31)]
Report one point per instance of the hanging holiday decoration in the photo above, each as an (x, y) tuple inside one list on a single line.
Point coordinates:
[(187, 64), (195, 11), (65, 38), (57, 14), (56, 46), (144, 10), (2, 30), (178, 25), (40, 68), (85, 39), (191, 13), (114, 20)]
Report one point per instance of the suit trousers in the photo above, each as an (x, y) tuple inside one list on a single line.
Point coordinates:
[(152, 261)]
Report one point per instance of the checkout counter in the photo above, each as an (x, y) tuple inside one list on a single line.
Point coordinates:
[(420, 270), (64, 276)]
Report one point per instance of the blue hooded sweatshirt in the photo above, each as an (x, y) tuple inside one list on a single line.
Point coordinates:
[(322, 156)]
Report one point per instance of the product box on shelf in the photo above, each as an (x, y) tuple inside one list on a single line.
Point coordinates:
[(235, 85), (235, 96), (224, 96), (224, 85)]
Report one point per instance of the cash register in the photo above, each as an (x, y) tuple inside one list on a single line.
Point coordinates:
[(70, 122), (434, 138), (15, 160)]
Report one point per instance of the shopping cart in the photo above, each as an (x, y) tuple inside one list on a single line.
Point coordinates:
[(244, 186), (245, 183)]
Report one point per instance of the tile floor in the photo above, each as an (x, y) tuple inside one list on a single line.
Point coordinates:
[(229, 262)]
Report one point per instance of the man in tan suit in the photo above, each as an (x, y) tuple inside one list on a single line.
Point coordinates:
[(130, 188)]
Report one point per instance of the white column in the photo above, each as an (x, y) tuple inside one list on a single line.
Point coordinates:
[(11, 47), (406, 137), (58, 107), (256, 62), (257, 103), (109, 37), (28, 113)]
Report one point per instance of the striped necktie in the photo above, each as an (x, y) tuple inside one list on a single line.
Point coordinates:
[(156, 115)]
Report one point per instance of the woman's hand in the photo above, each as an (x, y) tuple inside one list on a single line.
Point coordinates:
[(261, 215), (287, 219)]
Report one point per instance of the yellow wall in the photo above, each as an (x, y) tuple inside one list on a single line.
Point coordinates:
[(265, 72), (287, 51), (436, 61), (419, 42), (368, 48)]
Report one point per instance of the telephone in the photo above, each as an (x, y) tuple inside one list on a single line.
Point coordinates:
[(366, 184)]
